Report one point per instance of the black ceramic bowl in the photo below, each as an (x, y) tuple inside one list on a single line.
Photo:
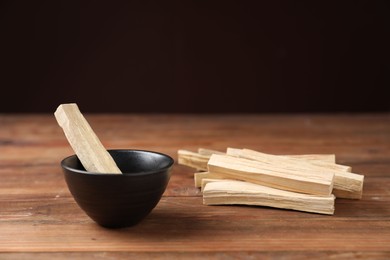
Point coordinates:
[(119, 200)]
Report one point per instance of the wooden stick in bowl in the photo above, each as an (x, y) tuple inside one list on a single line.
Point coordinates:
[(84, 141)]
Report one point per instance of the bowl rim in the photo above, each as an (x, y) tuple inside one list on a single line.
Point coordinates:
[(73, 170)]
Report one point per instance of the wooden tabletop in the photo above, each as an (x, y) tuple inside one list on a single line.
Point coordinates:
[(39, 218)]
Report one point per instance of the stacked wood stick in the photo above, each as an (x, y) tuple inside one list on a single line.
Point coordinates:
[(308, 182)]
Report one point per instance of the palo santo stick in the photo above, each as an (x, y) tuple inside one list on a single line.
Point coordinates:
[(193, 160), (199, 160), (228, 192), (346, 184), (199, 176), (84, 141), (205, 181), (330, 158), (278, 176), (341, 180), (258, 156), (208, 152)]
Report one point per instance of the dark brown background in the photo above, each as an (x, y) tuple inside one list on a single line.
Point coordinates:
[(195, 56)]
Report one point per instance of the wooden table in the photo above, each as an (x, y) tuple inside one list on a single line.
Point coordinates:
[(40, 220)]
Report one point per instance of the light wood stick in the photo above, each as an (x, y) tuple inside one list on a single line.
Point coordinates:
[(199, 160), (346, 184), (208, 152), (84, 141), (199, 176), (228, 192), (278, 176), (206, 180), (330, 158), (193, 160), (255, 155)]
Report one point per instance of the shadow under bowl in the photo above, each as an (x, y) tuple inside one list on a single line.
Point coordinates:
[(119, 200)]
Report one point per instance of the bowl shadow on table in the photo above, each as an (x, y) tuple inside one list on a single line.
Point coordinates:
[(169, 220)]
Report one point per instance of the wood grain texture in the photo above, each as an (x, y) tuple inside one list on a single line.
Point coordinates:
[(232, 192), (275, 175), (39, 218), (347, 185), (85, 143)]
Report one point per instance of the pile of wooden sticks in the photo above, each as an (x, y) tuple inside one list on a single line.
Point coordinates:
[(308, 182)]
